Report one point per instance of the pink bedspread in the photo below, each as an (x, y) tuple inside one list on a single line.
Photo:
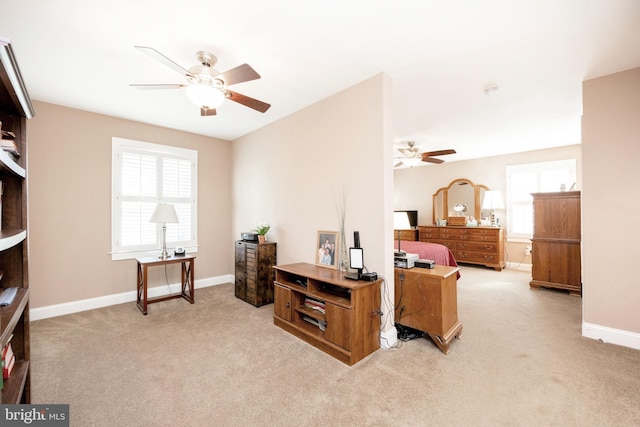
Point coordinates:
[(434, 251)]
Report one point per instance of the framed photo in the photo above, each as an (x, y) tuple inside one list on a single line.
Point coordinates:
[(327, 249)]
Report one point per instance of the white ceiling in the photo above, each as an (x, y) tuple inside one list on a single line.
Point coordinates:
[(439, 54)]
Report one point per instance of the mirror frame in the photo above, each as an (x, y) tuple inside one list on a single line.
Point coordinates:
[(477, 199)]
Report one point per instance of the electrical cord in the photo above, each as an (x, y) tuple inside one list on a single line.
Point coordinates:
[(389, 321)]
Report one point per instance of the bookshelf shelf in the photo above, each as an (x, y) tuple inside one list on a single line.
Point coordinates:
[(7, 164), (11, 238)]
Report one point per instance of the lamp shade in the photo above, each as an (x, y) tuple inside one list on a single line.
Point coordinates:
[(164, 213), (401, 221), (492, 200), (204, 95)]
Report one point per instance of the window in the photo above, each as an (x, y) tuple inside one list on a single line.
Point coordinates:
[(522, 180), (143, 175)]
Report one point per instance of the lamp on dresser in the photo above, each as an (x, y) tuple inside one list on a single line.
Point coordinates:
[(492, 200), (164, 213)]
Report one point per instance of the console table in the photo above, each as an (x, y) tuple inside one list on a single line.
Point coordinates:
[(187, 279), (427, 300)]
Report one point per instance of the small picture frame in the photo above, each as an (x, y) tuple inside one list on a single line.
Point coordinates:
[(327, 249)]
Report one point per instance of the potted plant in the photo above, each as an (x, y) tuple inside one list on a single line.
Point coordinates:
[(262, 230)]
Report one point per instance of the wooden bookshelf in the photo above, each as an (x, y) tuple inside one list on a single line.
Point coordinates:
[(15, 109)]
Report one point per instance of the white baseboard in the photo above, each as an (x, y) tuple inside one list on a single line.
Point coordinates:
[(519, 266), (105, 301), (389, 338), (611, 335)]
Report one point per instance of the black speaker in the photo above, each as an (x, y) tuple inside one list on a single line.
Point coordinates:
[(356, 239)]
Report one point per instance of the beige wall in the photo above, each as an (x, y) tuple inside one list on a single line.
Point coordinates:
[(291, 172), (610, 204), (69, 179), (414, 187)]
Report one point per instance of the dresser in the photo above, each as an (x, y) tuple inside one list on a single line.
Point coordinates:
[(254, 271), (471, 245), (555, 255), (410, 235)]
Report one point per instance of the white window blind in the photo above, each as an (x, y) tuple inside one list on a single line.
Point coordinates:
[(524, 179), (145, 174)]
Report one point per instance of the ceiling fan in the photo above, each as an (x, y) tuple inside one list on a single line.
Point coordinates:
[(412, 156), (206, 87)]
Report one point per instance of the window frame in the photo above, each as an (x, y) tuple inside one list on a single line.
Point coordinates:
[(160, 152), (539, 169)]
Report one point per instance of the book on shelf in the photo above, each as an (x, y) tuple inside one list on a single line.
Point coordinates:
[(314, 304), (7, 352), (8, 359), (7, 369), (10, 147), (6, 133), (319, 323)]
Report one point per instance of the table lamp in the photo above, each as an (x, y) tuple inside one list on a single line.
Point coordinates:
[(400, 222), (492, 200), (164, 213)]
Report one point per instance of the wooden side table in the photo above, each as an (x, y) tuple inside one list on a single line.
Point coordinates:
[(187, 279), (427, 300)]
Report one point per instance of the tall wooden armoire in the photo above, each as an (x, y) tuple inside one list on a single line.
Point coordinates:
[(556, 259)]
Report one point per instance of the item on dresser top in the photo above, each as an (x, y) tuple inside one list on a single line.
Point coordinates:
[(249, 236)]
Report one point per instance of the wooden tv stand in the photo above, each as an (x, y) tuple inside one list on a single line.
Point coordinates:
[(427, 300), (349, 328)]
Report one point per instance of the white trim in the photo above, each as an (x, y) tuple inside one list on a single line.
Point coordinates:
[(519, 266), (611, 335), (114, 299), (389, 339)]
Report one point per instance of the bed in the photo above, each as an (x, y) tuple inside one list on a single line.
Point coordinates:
[(434, 251)]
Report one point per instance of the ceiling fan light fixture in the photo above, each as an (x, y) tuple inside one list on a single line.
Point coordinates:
[(411, 161), (204, 96)]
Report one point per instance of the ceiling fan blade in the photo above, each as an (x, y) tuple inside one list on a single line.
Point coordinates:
[(432, 160), (163, 59), (239, 74), (397, 164), (438, 153), (144, 86), (248, 101), (207, 111)]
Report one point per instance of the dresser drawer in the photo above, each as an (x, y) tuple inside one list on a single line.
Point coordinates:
[(472, 256), (428, 233), (485, 247), (448, 243), (484, 235), (454, 234)]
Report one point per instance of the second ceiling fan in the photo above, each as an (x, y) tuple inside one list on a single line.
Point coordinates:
[(413, 156), (206, 87)]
